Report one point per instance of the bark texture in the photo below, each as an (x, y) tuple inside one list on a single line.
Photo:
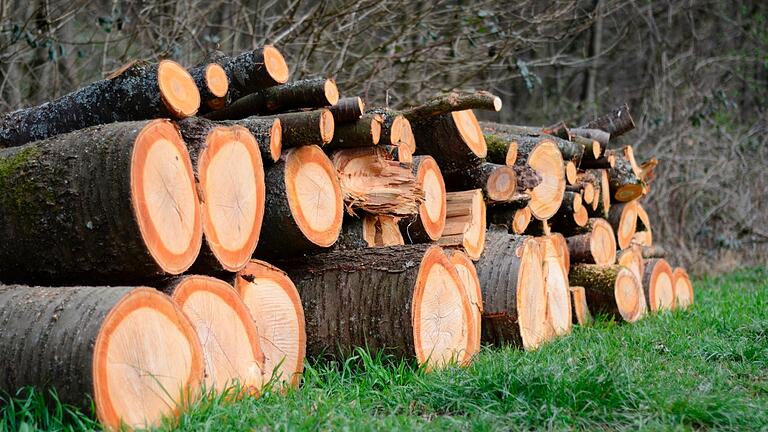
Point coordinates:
[(617, 122), (454, 101), (363, 132), (264, 130), (247, 73), (348, 109)]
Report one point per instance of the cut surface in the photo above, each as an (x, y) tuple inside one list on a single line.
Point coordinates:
[(661, 289), (603, 243), (470, 131), (629, 296), (474, 236), (177, 89), (164, 199), (532, 296), (627, 225), (388, 231), (511, 157), (632, 259), (580, 306), (628, 192), (327, 125), (376, 129), (570, 172), (276, 139), (556, 281), (279, 317), (581, 216), (588, 193), (546, 198), (145, 358), (605, 192), (276, 66), (432, 210), (683, 288), (471, 283), (314, 194), (226, 332), (232, 179), (502, 183), (331, 91), (216, 79), (441, 315), (596, 149), (643, 233), (521, 220)]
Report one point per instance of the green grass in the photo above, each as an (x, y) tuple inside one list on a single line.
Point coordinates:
[(702, 368)]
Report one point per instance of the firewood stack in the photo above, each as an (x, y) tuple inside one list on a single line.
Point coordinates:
[(422, 232)]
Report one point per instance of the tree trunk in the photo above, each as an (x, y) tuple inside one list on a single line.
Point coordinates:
[(465, 222), (254, 70), (581, 314), (90, 342), (110, 204), (230, 180), (137, 93), (304, 206), (510, 275), (407, 300), (275, 306), (213, 85), (595, 244), (658, 283), (347, 110), (683, 288), (268, 133), (612, 290), (363, 132), (616, 123), (428, 224)]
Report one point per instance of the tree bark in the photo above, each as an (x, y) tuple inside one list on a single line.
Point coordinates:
[(595, 244), (501, 150), (213, 85), (347, 110), (600, 285), (498, 182), (306, 128), (454, 140), (268, 133), (363, 132), (254, 70), (617, 122), (454, 101), (598, 135)]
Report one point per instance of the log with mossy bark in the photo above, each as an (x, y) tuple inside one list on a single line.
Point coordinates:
[(571, 151), (304, 205), (363, 132), (593, 150), (465, 222), (291, 96), (347, 109), (114, 203), (254, 70), (612, 290), (593, 244), (617, 122), (137, 92), (88, 343), (212, 83), (407, 301), (501, 150), (428, 223), (513, 291)]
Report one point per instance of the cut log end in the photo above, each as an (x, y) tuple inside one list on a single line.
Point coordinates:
[(581, 313), (231, 177), (588, 193), (521, 220), (628, 192), (468, 275), (276, 139), (331, 91), (216, 80), (602, 243), (432, 211), (226, 331), (164, 199), (146, 360), (624, 219), (546, 198), (327, 126), (532, 295), (556, 282), (658, 281), (502, 184), (314, 195), (683, 288), (276, 308), (629, 295), (570, 172), (497, 104), (177, 89), (470, 132), (376, 123), (511, 157), (442, 318), (275, 64)]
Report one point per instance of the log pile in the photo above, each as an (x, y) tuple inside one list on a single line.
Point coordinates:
[(419, 232)]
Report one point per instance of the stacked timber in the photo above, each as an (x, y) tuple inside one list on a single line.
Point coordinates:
[(420, 233)]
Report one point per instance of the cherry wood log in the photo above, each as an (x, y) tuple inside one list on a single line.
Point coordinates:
[(396, 130), (268, 133), (363, 132), (304, 205), (109, 204), (254, 70), (471, 283), (592, 148), (465, 222), (408, 301), (306, 128), (598, 135), (372, 183), (347, 109), (212, 83), (498, 182), (128, 351), (683, 288), (453, 102), (428, 224), (625, 182), (513, 290), (230, 182), (658, 282), (623, 219), (581, 314), (555, 263), (137, 92), (225, 329), (594, 244), (276, 308), (370, 231), (505, 214), (291, 96), (617, 122), (501, 149), (612, 290)]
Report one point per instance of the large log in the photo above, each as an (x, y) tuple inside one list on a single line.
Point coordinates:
[(683, 288), (254, 70), (617, 122), (230, 180), (594, 244), (138, 92), (513, 289), (625, 181), (407, 301), (109, 204), (613, 290), (225, 329), (212, 83), (304, 206), (128, 351), (306, 93), (275, 306), (428, 224), (471, 283), (465, 222), (658, 282)]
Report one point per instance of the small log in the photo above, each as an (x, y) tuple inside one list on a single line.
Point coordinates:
[(471, 283), (595, 244), (384, 299), (396, 130), (570, 173), (513, 290), (306, 128), (623, 219), (109, 204), (138, 92), (500, 150), (604, 162), (465, 222), (274, 304), (254, 70), (347, 110), (505, 214), (370, 231), (658, 282), (268, 133), (559, 129), (363, 132), (304, 206), (683, 288), (428, 224), (225, 329), (592, 148), (598, 135), (581, 314), (230, 181), (130, 352), (454, 140), (613, 290), (306, 93), (374, 184), (571, 215), (601, 205), (521, 220), (212, 83), (498, 182), (625, 182), (643, 233), (554, 257), (617, 122), (453, 102)]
